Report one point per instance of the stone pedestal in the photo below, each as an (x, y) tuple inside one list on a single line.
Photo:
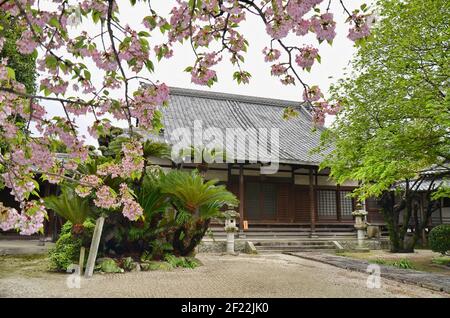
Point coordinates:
[(230, 242)]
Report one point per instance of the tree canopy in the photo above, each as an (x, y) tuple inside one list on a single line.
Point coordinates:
[(395, 115), (24, 66)]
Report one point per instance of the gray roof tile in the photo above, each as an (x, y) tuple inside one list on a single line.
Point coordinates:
[(237, 111)]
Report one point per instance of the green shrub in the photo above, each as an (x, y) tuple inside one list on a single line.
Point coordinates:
[(380, 261), (442, 260), (65, 252), (185, 262), (404, 264), (439, 238), (67, 248)]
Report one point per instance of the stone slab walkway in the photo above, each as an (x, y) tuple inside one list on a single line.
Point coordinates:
[(428, 280)]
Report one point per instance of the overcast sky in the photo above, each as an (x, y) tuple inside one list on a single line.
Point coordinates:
[(335, 58)]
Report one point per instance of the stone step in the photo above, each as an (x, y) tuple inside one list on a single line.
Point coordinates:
[(294, 247), (289, 230), (290, 251), (292, 243), (303, 248), (289, 235)]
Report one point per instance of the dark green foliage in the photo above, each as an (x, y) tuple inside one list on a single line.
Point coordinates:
[(403, 264), (67, 247), (23, 65), (185, 262), (69, 205), (439, 238), (178, 207)]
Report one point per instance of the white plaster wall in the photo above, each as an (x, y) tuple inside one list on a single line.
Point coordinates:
[(216, 174), (325, 181), (160, 161), (302, 180), (446, 215)]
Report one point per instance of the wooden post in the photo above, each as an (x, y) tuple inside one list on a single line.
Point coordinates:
[(94, 247), (291, 200), (312, 202), (241, 197), (338, 203), (82, 252)]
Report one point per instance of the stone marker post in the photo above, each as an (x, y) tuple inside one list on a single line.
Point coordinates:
[(94, 247)]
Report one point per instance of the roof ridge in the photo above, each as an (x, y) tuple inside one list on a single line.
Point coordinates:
[(236, 97)]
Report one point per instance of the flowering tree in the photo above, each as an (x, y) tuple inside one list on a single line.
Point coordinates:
[(122, 56)]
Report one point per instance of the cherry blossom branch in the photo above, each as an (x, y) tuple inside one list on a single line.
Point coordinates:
[(50, 98), (3, 2), (116, 56), (263, 18), (69, 120), (345, 9)]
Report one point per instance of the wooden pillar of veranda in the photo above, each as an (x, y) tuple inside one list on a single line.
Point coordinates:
[(241, 198), (292, 194), (312, 201)]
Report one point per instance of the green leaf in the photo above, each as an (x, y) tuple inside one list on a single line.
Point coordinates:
[(54, 22), (87, 75), (11, 73), (51, 61)]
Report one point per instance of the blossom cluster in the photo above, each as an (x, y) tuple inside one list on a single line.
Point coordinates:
[(131, 209), (28, 222)]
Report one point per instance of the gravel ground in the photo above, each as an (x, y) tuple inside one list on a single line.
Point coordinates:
[(271, 275)]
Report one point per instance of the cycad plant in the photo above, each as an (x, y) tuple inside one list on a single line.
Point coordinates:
[(74, 209), (69, 206), (198, 199), (194, 192)]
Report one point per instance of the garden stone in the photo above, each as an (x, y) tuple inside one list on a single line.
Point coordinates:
[(250, 248), (155, 265), (136, 267), (101, 259), (110, 266), (128, 264)]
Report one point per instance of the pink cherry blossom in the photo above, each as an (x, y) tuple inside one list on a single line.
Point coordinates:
[(306, 57), (312, 94), (324, 26), (106, 198), (271, 55)]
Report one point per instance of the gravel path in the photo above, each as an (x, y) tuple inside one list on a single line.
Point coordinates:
[(271, 275)]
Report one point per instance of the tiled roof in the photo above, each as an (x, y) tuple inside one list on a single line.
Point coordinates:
[(296, 137)]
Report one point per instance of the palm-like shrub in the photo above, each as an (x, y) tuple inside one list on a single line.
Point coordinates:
[(196, 201), (76, 210), (193, 192), (69, 206), (156, 149)]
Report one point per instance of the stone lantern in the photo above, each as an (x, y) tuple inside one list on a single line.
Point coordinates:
[(360, 222), (230, 228)]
